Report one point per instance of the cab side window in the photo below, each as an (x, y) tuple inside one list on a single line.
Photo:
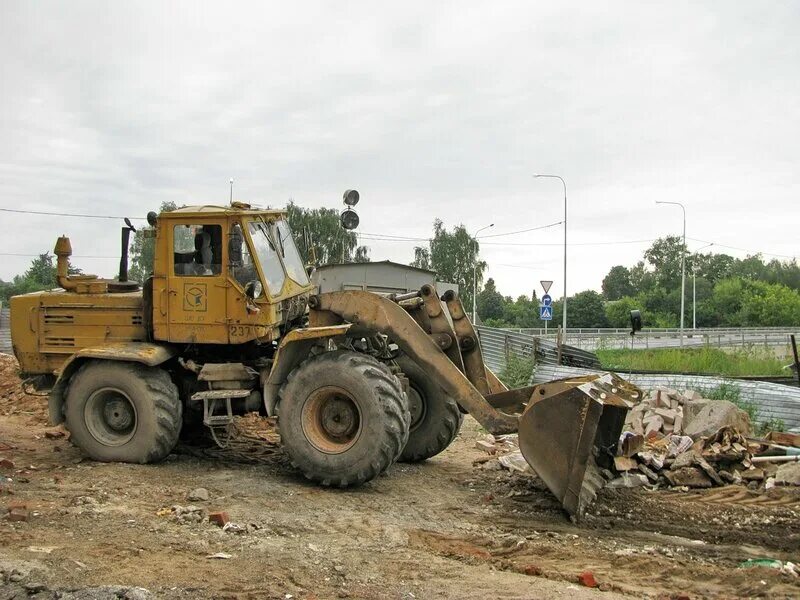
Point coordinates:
[(197, 250), (242, 266)]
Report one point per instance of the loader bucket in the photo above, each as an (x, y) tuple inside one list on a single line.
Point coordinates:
[(570, 428)]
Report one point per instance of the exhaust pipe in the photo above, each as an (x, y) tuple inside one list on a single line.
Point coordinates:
[(123, 260)]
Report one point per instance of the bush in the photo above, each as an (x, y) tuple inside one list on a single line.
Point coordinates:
[(517, 372)]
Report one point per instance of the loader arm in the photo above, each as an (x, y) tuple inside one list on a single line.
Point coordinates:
[(565, 426), (376, 313)]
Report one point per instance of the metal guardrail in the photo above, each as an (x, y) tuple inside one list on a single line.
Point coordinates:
[(722, 337), (773, 400)]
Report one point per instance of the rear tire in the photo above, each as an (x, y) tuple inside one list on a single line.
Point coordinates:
[(343, 418), (436, 417), (124, 412)]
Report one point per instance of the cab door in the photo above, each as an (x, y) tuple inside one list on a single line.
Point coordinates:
[(197, 284)]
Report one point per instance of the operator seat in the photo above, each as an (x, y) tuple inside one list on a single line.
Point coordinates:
[(203, 255)]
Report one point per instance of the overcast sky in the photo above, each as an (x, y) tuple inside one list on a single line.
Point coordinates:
[(428, 109)]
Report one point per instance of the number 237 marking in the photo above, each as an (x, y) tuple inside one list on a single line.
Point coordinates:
[(239, 330)]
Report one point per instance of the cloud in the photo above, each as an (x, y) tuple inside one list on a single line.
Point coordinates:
[(429, 110)]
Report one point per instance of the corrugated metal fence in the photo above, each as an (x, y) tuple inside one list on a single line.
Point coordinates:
[(774, 401)]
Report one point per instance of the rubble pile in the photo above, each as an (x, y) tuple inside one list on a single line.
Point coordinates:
[(681, 439), (667, 411), (676, 439), (13, 398)]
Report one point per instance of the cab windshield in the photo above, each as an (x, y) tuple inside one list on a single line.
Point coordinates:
[(291, 256), (267, 253)]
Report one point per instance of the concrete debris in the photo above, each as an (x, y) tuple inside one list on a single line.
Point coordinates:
[(198, 495), (628, 480), (715, 415), (188, 514), (514, 461), (788, 474), (503, 453), (625, 463), (680, 439)]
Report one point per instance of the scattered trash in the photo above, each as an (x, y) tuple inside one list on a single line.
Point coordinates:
[(42, 549), (587, 579), (514, 461), (788, 568), (220, 555)]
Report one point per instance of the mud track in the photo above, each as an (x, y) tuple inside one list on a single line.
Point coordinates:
[(441, 529)]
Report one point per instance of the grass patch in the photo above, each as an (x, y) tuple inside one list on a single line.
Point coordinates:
[(705, 360)]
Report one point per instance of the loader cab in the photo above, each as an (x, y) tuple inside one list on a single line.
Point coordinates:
[(225, 275)]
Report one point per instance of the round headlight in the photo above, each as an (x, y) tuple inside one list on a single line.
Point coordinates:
[(349, 219), (351, 197)]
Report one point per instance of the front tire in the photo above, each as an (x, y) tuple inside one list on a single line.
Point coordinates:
[(435, 417), (123, 412), (343, 418)]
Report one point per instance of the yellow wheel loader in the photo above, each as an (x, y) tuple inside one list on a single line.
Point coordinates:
[(229, 323)]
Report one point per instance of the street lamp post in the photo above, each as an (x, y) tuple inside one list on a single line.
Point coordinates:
[(683, 262), (564, 300), (694, 285), (475, 274)]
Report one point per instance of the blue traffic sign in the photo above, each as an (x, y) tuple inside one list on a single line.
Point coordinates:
[(546, 300), (546, 313)]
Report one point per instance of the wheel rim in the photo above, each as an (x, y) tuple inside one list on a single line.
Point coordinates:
[(110, 417), (416, 406), (331, 420)]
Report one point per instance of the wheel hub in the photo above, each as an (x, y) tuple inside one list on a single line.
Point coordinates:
[(331, 420), (110, 417), (118, 414), (416, 405)]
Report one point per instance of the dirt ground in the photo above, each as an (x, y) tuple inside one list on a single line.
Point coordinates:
[(441, 529)]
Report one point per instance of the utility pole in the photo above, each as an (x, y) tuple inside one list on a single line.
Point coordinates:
[(564, 300), (683, 262), (475, 274)]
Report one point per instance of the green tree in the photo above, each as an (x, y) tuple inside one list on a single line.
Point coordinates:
[(617, 283), (586, 309), (143, 247), (665, 257), (40, 275), (618, 312), (490, 302), (453, 255), (321, 238)]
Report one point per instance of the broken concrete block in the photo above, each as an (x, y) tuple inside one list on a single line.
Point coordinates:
[(712, 417), (677, 425), (667, 414), (707, 469), (685, 459), (788, 474), (487, 447), (623, 463), (688, 476), (628, 480), (754, 474), (653, 425), (692, 395), (690, 409), (649, 473)]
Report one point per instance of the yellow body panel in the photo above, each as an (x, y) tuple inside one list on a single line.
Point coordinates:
[(49, 327)]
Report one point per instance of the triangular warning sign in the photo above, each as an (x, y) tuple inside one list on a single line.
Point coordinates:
[(546, 285)]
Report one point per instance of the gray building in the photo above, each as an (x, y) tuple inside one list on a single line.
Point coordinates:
[(385, 277)]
